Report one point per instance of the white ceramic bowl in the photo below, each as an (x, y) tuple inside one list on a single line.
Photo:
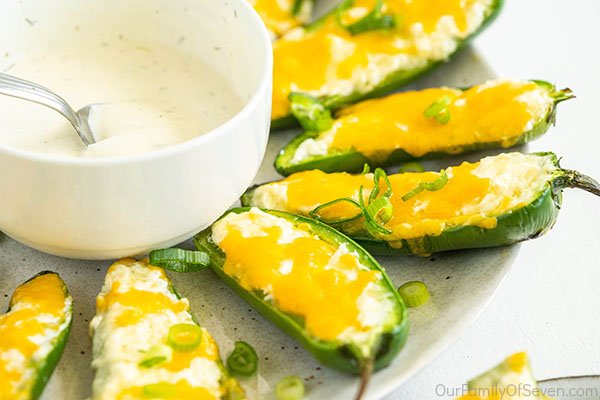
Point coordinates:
[(108, 208)]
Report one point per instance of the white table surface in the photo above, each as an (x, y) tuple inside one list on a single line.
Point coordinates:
[(550, 303)]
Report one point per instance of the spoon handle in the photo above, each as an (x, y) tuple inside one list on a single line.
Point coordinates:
[(30, 91)]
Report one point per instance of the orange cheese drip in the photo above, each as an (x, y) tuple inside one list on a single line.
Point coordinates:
[(277, 17), (182, 390), (326, 298), (330, 52), (427, 213), (481, 115), (43, 295)]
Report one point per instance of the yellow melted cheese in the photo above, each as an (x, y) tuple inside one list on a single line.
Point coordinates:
[(277, 15), (303, 275), (134, 312), (474, 195), (495, 112), (37, 312), (309, 60)]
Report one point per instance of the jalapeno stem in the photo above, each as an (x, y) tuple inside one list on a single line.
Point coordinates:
[(562, 95), (366, 370), (578, 180)]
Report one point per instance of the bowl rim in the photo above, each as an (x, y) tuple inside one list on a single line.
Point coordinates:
[(250, 105)]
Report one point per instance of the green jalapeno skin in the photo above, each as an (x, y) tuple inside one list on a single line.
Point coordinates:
[(527, 222), (45, 367), (344, 357), (351, 160), (394, 80)]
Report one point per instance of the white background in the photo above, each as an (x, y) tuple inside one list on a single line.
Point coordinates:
[(550, 303)]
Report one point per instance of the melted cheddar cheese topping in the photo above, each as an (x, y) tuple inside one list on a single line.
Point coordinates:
[(510, 380), (474, 195), (135, 310), (28, 332), (277, 14), (322, 283), (328, 60), (495, 112)]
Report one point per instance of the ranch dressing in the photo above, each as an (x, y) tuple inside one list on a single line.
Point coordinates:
[(149, 97)]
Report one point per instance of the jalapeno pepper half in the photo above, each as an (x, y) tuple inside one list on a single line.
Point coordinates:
[(144, 327), (33, 335), (497, 201), (367, 48), (313, 283), (407, 126)]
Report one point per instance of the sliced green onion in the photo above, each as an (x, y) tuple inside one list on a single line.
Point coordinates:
[(296, 7), (377, 176), (310, 112), (366, 169), (371, 223), (157, 355), (179, 260), (429, 186), (184, 337), (243, 360), (315, 212), (377, 212), (381, 208), (374, 20), (290, 388), (160, 390), (341, 8), (414, 293), (439, 111), (411, 167)]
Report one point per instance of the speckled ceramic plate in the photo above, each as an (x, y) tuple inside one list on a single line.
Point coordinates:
[(461, 284), (572, 387)]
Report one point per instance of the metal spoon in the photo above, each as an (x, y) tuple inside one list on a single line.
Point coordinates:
[(26, 90)]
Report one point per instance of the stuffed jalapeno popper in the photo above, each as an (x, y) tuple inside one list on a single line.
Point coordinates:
[(33, 335), (147, 344), (366, 48), (426, 124), (512, 379), (313, 283), (497, 201), (282, 15)]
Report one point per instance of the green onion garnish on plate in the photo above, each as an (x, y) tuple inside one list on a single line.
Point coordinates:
[(290, 388), (179, 260), (414, 293), (243, 360)]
